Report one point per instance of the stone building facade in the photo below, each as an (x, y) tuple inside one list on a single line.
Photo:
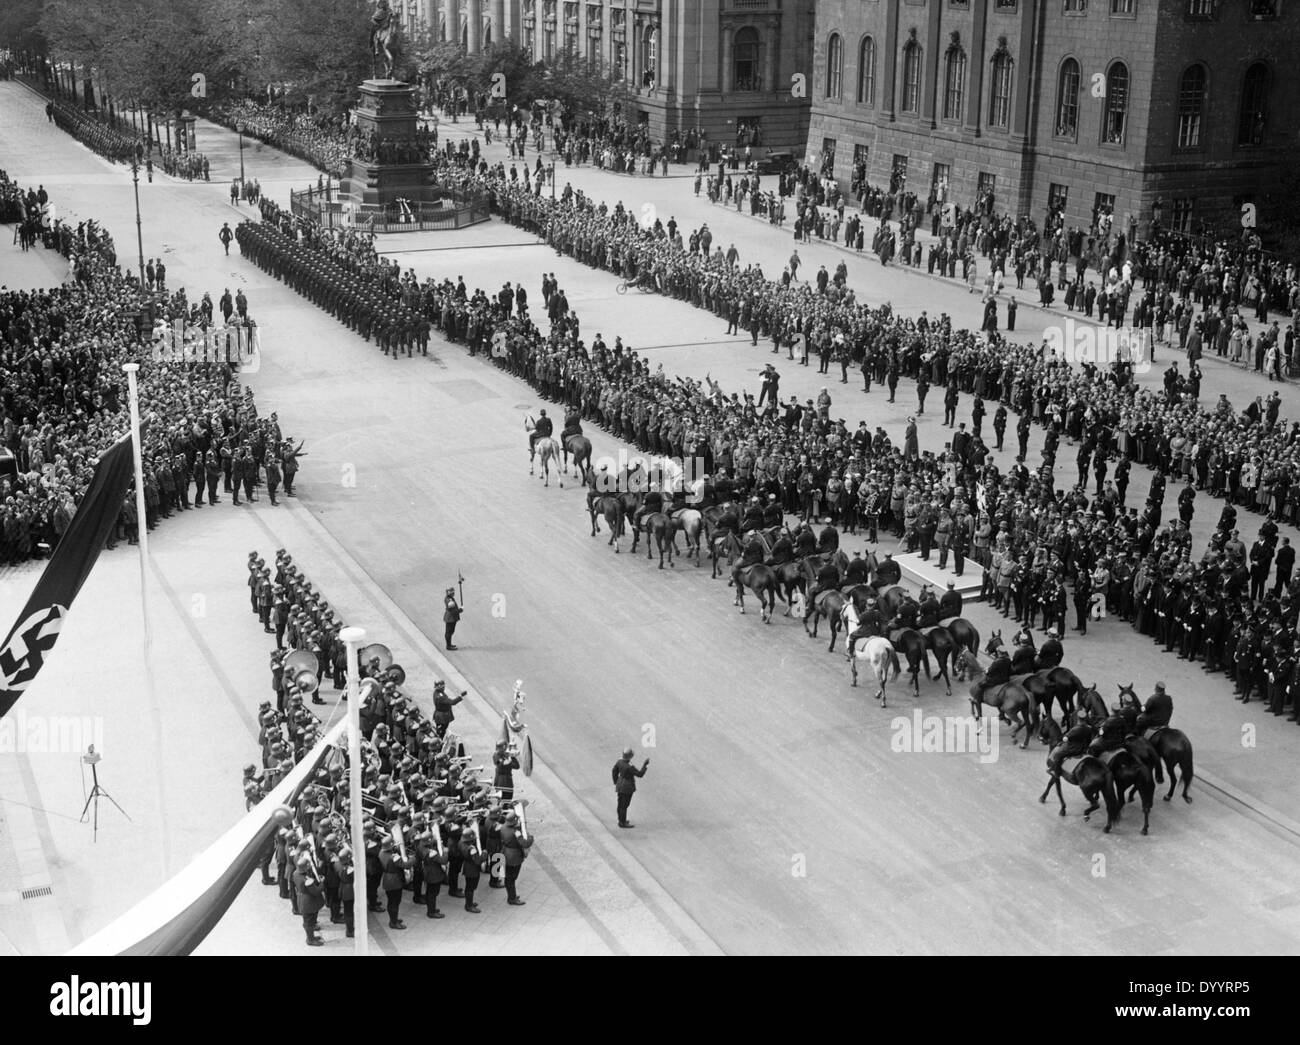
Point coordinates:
[(1176, 109), (725, 67)]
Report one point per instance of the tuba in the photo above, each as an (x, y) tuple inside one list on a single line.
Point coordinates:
[(387, 670), (302, 670)]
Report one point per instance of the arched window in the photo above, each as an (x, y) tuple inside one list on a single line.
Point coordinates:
[(1115, 124), (745, 55), (1254, 105), (1191, 106), (912, 77), (867, 72), (1000, 96), (1067, 100), (835, 67), (954, 82)]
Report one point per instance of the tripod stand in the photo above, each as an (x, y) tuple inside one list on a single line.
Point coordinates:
[(96, 792)]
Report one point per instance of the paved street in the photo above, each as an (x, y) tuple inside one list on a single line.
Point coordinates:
[(775, 814)]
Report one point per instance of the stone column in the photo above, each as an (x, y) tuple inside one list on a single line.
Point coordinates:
[(977, 67), (634, 38), (932, 66), (453, 21), (498, 21), (889, 81), (516, 28), (726, 83), (475, 42), (1025, 61), (771, 42)]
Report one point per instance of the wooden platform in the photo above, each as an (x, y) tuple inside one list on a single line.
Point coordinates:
[(917, 572)]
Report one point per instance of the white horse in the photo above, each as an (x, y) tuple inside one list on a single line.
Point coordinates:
[(550, 451), (877, 651)]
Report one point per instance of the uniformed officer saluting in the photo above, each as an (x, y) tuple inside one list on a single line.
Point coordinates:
[(624, 775)]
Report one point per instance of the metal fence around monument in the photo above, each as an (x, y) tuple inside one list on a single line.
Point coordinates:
[(454, 210)]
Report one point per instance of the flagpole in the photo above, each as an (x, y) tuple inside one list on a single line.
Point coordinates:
[(146, 644), (352, 638), (137, 457)]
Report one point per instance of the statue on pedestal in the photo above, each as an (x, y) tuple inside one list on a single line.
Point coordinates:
[(382, 28)]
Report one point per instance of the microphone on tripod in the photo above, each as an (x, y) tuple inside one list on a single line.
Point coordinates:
[(92, 758)]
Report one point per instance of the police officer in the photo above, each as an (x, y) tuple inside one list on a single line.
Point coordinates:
[(951, 602), (1157, 711)]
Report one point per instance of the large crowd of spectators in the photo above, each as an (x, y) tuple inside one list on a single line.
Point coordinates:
[(1055, 531), (63, 402)]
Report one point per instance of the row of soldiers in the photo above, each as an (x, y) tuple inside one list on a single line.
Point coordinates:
[(429, 822), (354, 297)]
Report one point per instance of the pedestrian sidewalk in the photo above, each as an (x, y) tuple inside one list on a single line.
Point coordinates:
[(173, 752)]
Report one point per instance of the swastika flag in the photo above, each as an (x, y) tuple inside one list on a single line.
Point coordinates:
[(28, 644)]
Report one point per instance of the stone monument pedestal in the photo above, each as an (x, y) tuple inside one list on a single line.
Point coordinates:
[(387, 112)]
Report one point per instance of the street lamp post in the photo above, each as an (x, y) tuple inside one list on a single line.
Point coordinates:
[(139, 233), (240, 128)]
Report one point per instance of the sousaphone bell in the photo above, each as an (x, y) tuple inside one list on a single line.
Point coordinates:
[(303, 670), (377, 662)]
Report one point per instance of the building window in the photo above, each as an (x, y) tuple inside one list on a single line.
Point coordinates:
[(1076, 7), (649, 57), (867, 72), (745, 51), (954, 82), (1123, 8), (1200, 10), (835, 66), (987, 183), (1180, 219), (1191, 106), (620, 60), (961, 5), (1263, 10), (912, 77), (898, 173), (1254, 105), (1007, 6), (1000, 98), (860, 154), (828, 156), (1102, 203), (1067, 100), (571, 28), (1057, 197), (1115, 122), (939, 181)]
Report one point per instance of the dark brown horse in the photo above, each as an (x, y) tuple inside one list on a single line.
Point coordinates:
[(939, 641), (1011, 699), (759, 579), (1090, 775), (911, 644), (723, 545), (965, 634), (1172, 748), (660, 527), (607, 505), (827, 605)]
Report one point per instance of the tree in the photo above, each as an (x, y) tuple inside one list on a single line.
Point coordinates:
[(319, 50), (20, 25), (579, 88)]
